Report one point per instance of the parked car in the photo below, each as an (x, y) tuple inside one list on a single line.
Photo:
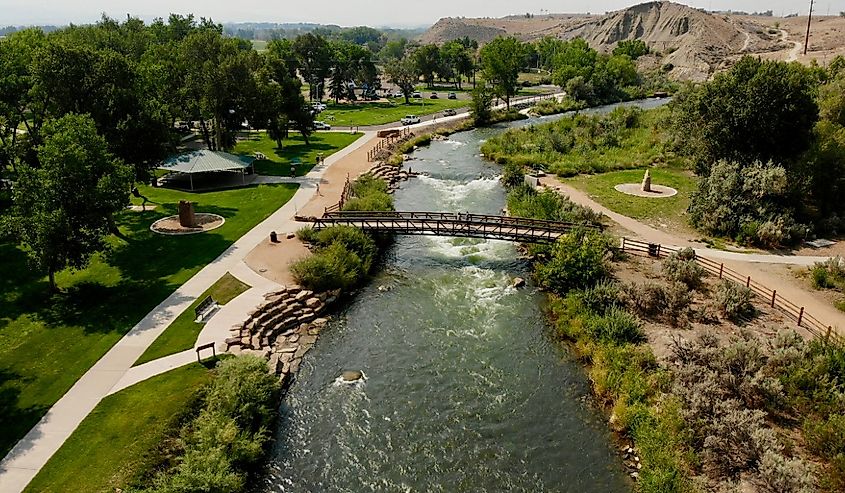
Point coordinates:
[(397, 94), (450, 112), (322, 126), (416, 95), (452, 95), (434, 95), (410, 120)]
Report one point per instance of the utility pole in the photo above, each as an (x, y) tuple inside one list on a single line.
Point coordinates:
[(807, 38)]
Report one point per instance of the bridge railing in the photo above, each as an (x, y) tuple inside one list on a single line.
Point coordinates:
[(461, 217), (770, 296)]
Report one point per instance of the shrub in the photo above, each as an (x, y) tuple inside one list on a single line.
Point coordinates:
[(617, 326), (353, 239), (826, 437), (734, 300), (829, 274), (821, 278), (333, 267), (682, 267), (230, 435), (577, 262), (655, 301), (599, 298), (512, 175), (778, 474)]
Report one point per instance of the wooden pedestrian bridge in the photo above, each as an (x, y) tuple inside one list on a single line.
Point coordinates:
[(519, 229)]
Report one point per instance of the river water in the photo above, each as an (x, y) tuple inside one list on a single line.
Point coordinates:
[(465, 389)]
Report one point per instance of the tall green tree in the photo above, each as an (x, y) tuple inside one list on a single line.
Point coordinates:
[(756, 111), (314, 54), (428, 62), (501, 61), (482, 104), (458, 59), (404, 74), (62, 210)]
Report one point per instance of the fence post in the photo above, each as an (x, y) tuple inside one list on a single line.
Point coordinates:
[(623, 243), (748, 282), (774, 294), (658, 250), (721, 270), (800, 316)]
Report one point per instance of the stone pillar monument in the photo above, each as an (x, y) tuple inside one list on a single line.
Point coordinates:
[(187, 218), (647, 182)]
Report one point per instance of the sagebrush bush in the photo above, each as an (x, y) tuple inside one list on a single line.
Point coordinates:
[(779, 474), (616, 326), (599, 298), (650, 300), (734, 300), (829, 274), (682, 267)]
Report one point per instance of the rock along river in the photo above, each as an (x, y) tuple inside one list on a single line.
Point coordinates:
[(465, 389)]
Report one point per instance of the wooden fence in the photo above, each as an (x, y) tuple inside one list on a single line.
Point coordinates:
[(770, 296), (387, 142)]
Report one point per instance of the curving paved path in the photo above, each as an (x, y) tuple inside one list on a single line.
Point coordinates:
[(113, 370)]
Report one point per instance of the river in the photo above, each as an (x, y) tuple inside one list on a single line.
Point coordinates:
[(465, 389)]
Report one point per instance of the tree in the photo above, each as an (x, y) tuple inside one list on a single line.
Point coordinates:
[(428, 62), (457, 61), (634, 48), (404, 74), (501, 60), (61, 211), (756, 111), (314, 55), (482, 103)]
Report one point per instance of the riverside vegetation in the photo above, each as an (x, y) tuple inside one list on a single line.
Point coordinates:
[(344, 256), (766, 139), (713, 415)]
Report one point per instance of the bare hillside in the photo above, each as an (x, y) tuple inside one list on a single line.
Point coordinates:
[(694, 42)]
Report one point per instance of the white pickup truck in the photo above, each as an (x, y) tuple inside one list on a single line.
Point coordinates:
[(410, 120)]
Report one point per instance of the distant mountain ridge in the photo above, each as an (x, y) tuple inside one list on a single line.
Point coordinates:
[(694, 42)]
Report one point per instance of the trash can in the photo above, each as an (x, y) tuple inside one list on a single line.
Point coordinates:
[(653, 250), (273, 237)]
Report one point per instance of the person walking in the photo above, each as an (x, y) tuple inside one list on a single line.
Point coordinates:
[(137, 194)]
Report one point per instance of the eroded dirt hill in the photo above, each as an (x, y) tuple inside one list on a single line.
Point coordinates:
[(694, 42)]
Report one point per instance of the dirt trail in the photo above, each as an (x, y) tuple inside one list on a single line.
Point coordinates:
[(796, 46)]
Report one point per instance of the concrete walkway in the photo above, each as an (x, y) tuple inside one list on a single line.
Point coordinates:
[(31, 453)]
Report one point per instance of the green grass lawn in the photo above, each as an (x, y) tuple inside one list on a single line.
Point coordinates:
[(259, 45), (182, 333), (48, 341), (279, 160), (119, 440), (670, 211), (379, 113)]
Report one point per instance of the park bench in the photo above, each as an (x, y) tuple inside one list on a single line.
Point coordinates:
[(205, 308)]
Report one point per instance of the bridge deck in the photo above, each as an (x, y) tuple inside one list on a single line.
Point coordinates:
[(519, 229)]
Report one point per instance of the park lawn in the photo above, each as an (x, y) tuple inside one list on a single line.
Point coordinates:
[(119, 441), (278, 160), (48, 341), (183, 332), (379, 113), (259, 45), (670, 211)]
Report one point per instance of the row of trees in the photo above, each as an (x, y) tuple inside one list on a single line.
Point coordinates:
[(85, 110)]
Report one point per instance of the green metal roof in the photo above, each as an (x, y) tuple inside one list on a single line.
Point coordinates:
[(205, 161)]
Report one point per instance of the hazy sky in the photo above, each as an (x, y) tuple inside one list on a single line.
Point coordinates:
[(346, 12)]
